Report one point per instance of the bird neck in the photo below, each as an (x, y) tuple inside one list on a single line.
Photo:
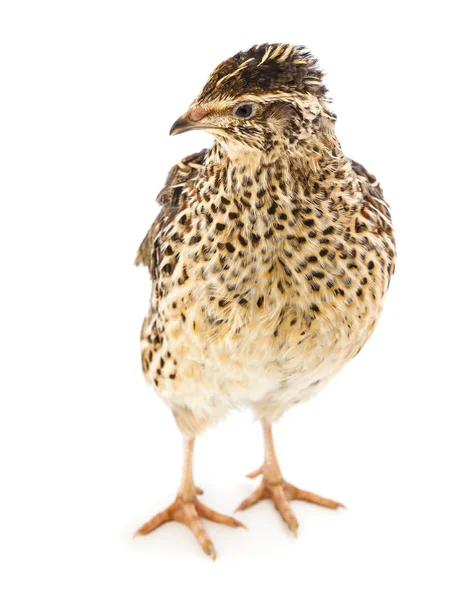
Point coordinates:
[(242, 171)]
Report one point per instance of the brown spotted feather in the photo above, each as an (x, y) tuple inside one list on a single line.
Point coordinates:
[(169, 197), (272, 254)]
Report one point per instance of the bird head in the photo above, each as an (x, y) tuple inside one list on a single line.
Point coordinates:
[(262, 100)]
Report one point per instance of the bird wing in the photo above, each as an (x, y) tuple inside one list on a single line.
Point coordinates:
[(169, 198), (375, 209)]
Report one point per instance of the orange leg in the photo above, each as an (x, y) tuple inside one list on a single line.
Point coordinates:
[(187, 509), (274, 487)]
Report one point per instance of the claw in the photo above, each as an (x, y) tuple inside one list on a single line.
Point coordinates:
[(298, 494), (216, 517), (210, 551), (163, 517), (190, 514), (255, 473), (281, 493), (251, 500), (283, 507)]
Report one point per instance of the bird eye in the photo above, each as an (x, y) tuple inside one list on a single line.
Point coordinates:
[(244, 111)]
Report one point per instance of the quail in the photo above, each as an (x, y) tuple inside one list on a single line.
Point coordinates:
[(269, 260)]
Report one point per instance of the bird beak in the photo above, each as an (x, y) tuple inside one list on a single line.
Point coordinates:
[(190, 120)]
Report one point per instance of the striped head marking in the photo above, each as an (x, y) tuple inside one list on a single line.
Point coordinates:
[(263, 98)]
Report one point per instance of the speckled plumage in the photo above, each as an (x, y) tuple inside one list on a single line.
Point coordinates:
[(273, 251)]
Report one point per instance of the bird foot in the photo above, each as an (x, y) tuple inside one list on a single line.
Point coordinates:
[(282, 492), (190, 512)]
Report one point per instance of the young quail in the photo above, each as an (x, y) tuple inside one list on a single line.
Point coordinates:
[(270, 260)]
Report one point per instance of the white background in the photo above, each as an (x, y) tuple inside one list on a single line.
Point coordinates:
[(89, 91)]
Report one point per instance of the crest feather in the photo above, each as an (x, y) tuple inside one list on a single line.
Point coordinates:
[(265, 68)]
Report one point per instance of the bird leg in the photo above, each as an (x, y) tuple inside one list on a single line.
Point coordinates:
[(274, 487), (187, 509)]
